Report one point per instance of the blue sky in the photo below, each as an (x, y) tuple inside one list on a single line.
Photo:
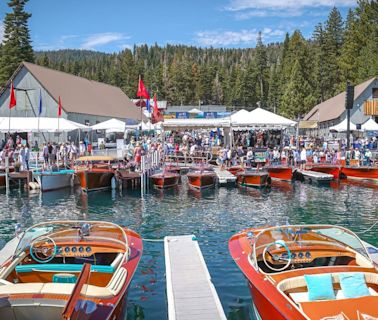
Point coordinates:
[(113, 25)]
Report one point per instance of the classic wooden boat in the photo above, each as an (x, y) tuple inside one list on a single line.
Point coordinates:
[(95, 172), (235, 169), (201, 167), (172, 168), (284, 173), (165, 179), (201, 179), (53, 180), (257, 179), (369, 173), (288, 267), (326, 168), (70, 270)]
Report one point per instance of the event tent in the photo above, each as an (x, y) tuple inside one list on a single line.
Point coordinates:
[(342, 126), (42, 124), (262, 117), (240, 118), (196, 123), (370, 125), (195, 110), (113, 125)]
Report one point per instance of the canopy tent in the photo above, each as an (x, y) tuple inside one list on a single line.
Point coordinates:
[(370, 125), (342, 126), (195, 110), (113, 125), (240, 118), (42, 124), (196, 123)]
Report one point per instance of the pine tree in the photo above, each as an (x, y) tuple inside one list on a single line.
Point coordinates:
[(319, 58), (273, 95), (16, 44), (261, 67)]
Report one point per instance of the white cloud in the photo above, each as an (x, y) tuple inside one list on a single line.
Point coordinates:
[(1, 31), (126, 46), (245, 9), (101, 39), (229, 38)]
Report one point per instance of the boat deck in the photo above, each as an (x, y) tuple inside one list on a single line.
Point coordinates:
[(224, 176), (190, 292)]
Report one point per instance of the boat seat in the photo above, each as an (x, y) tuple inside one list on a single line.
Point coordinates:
[(288, 286), (61, 268), (19, 288)]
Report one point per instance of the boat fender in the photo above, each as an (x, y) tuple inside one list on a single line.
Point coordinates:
[(114, 183), (34, 185)]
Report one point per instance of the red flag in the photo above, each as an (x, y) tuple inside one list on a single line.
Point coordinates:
[(12, 99), (142, 91), (156, 116), (59, 107)]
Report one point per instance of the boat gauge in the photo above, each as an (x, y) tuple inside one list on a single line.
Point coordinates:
[(300, 255), (67, 249), (59, 250), (74, 249), (88, 249), (293, 255), (81, 249), (308, 255)]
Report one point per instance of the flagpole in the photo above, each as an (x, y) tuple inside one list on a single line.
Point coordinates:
[(140, 105)]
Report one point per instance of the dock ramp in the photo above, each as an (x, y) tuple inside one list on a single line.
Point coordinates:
[(190, 292), (224, 176)]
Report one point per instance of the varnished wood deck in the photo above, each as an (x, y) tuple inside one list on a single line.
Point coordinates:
[(190, 292)]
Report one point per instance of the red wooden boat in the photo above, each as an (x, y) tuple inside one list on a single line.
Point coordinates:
[(280, 172), (370, 173), (235, 169), (96, 174), (278, 262), (164, 180), (201, 179), (70, 270), (174, 169), (326, 168), (257, 179)]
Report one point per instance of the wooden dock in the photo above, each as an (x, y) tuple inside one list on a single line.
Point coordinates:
[(190, 292), (314, 176), (224, 176)]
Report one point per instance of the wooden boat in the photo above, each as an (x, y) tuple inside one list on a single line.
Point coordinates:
[(257, 179), (280, 172), (201, 179), (70, 270), (174, 169), (280, 262), (164, 179), (235, 169), (370, 173), (95, 172), (53, 180), (2, 177), (326, 168)]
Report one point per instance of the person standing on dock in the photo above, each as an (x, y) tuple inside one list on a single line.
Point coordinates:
[(27, 156), (303, 158)]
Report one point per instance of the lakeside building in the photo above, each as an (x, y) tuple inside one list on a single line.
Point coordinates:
[(84, 101), (332, 111)]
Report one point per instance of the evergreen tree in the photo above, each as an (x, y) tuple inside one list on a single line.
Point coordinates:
[(261, 67), (16, 44)]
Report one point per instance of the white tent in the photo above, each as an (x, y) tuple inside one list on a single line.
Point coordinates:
[(195, 110), (112, 125), (43, 124), (342, 126), (196, 123), (262, 117), (370, 125), (240, 118)]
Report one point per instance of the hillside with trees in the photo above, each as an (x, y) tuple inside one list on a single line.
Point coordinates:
[(288, 77)]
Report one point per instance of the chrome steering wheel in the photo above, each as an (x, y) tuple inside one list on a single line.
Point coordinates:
[(278, 244), (43, 249)]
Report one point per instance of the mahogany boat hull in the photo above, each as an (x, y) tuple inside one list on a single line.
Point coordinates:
[(201, 180), (253, 179), (165, 180), (234, 170), (95, 179), (334, 170), (280, 173), (370, 173)]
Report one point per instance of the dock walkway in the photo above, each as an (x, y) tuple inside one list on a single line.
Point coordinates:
[(316, 176), (190, 292), (224, 176)]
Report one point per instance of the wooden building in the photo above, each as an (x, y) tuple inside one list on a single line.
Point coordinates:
[(84, 101), (332, 111)]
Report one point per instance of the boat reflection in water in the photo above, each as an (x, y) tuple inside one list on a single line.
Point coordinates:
[(70, 270), (288, 266)]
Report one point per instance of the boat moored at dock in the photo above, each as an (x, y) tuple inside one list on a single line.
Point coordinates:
[(257, 179), (70, 270), (163, 180), (362, 173), (53, 180), (284, 173), (201, 177), (307, 272)]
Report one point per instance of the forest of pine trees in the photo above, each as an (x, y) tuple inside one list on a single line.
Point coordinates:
[(288, 77)]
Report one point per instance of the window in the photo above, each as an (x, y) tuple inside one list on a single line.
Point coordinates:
[(375, 93)]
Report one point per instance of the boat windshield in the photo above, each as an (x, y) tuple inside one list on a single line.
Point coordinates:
[(297, 236), (73, 231)]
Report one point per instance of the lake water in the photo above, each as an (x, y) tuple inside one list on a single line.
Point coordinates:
[(213, 216)]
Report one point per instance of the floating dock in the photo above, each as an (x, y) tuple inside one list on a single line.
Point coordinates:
[(313, 176), (224, 176), (190, 292)]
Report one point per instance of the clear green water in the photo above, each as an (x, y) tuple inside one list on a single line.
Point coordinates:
[(213, 216)]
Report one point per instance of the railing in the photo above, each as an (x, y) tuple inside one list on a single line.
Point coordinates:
[(186, 159), (115, 153), (149, 163)]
